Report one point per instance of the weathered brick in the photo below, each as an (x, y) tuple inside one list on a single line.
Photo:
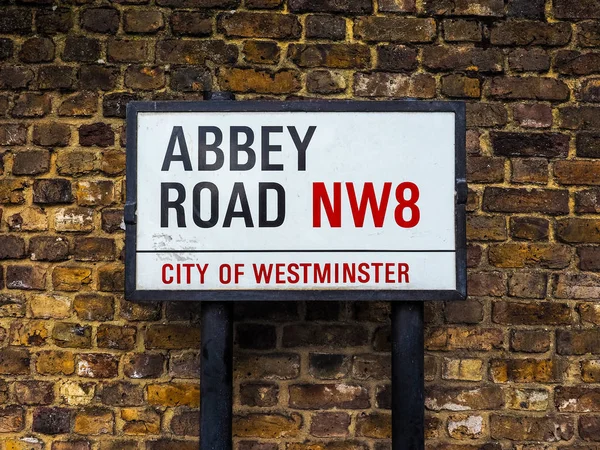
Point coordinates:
[(191, 23), (98, 77), (529, 171), (576, 399), (580, 117), (340, 56), (174, 394), (100, 20), (464, 338), (589, 428), (529, 88), (484, 8), (529, 60), (527, 9), (81, 49), (97, 365), (15, 77), (533, 115), (33, 162), (548, 201), (186, 423), (576, 230), (51, 134), (259, 394), (16, 20), (144, 77), (52, 420), (143, 365), (439, 58), (396, 58), (486, 284), (438, 398), (140, 421), (486, 115), (325, 26), (393, 85), (12, 191), (513, 313), (518, 255), (588, 33), (588, 145), (573, 285), (13, 134), (26, 277), (276, 366), (172, 336), (530, 341), (577, 172), (461, 86), (577, 342), (14, 361), (468, 312), (56, 190), (34, 392), (544, 429), (530, 33), (74, 219), (259, 81), (462, 30), (590, 371), (53, 21), (527, 285), (31, 105), (56, 77), (462, 369), (49, 248), (174, 51), (584, 9), (116, 337), (6, 48), (395, 29), (332, 6), (306, 396), (486, 228), (328, 366), (259, 25), (37, 50), (571, 62), (93, 421), (589, 258), (142, 21), (548, 145), (53, 362)]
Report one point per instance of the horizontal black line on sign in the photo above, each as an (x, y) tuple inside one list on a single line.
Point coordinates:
[(296, 251)]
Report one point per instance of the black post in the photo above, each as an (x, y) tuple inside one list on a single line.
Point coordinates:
[(408, 408), (216, 392), (216, 372)]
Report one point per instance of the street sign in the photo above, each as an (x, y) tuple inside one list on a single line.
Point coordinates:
[(295, 200)]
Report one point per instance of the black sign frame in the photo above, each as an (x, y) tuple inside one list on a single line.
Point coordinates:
[(458, 108)]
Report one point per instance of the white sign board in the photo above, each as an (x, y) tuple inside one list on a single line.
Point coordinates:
[(275, 200)]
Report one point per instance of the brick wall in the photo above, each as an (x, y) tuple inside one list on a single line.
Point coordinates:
[(516, 367)]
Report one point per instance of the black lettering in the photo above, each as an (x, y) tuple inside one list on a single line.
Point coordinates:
[(302, 145), (263, 222), (267, 148), (214, 204), (235, 147), (238, 191), (166, 204), (203, 148), (184, 157)]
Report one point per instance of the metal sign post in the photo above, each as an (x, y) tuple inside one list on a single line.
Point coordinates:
[(287, 201)]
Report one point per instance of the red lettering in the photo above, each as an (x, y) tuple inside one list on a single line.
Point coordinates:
[(368, 198), (403, 273), (334, 213), (166, 280), (407, 203), (262, 273)]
